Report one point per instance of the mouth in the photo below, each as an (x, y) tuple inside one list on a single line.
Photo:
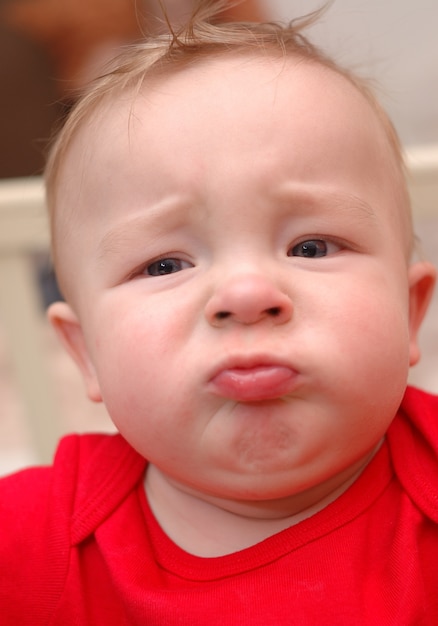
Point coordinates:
[(254, 382)]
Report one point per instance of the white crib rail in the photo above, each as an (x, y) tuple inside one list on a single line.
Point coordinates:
[(23, 232), (422, 162)]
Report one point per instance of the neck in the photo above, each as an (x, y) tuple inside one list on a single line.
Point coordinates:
[(206, 526)]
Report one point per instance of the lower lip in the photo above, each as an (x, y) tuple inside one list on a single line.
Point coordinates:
[(254, 384)]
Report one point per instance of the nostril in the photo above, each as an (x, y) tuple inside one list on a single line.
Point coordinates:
[(273, 311), (221, 315)]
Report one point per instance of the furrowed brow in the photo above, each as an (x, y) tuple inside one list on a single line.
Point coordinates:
[(351, 206), (307, 199), (154, 222)]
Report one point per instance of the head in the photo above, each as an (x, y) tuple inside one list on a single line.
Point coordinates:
[(232, 232)]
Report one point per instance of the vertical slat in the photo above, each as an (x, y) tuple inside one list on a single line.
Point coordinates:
[(21, 313)]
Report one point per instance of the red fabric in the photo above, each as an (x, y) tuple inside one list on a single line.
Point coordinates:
[(79, 545)]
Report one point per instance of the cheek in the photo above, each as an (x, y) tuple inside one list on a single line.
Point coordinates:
[(369, 338), (138, 360)]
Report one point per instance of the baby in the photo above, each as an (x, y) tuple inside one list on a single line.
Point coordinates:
[(232, 233)]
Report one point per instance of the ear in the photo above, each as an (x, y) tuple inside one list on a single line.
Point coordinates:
[(69, 331), (422, 278)]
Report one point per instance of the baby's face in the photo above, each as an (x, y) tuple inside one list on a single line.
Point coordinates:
[(240, 277)]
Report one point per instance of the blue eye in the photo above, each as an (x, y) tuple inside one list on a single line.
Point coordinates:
[(311, 249), (162, 267)]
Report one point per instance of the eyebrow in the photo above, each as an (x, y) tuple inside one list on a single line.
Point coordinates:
[(307, 198), (156, 220)]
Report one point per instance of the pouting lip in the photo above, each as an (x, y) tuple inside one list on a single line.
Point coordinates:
[(253, 378), (249, 362)]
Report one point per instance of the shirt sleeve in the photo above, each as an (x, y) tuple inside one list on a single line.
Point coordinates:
[(24, 546)]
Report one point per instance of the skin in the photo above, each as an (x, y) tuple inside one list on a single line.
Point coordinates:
[(257, 379)]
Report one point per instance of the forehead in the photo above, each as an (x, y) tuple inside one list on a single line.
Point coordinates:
[(236, 90), (236, 96), (294, 117)]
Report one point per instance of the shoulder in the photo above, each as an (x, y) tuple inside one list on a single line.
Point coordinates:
[(85, 469), (413, 442), (45, 510)]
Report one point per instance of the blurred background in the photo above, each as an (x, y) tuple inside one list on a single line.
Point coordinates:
[(50, 48)]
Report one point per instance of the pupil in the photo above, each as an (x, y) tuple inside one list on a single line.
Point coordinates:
[(167, 267), (310, 249)]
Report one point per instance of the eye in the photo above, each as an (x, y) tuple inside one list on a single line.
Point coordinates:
[(162, 267), (313, 249)]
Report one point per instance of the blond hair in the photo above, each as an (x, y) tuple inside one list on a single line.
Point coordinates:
[(203, 37)]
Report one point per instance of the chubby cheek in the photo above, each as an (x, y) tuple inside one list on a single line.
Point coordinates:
[(369, 337), (139, 366)]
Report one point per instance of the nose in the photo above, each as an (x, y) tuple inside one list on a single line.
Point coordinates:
[(247, 300)]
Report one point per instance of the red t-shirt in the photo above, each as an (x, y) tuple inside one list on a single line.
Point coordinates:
[(79, 545)]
